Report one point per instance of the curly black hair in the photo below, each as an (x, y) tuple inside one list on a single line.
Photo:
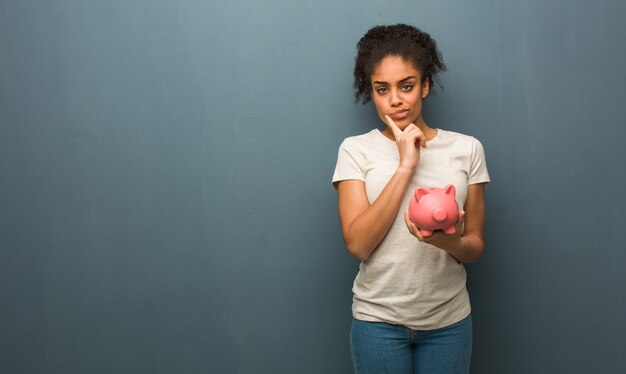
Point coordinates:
[(408, 42)]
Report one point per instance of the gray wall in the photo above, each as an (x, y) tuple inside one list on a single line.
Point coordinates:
[(165, 198)]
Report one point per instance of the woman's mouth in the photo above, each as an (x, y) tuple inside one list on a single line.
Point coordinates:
[(399, 114)]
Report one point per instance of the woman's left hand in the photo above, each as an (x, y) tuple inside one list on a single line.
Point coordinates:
[(447, 242)]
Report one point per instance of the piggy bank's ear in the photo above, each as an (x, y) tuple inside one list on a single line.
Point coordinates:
[(421, 192), (449, 190)]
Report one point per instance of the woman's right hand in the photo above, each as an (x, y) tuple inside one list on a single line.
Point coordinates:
[(364, 224), (409, 142)]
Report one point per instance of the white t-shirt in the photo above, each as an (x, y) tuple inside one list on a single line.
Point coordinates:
[(405, 281)]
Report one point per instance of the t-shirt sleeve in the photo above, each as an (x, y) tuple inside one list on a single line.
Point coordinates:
[(478, 164), (347, 165)]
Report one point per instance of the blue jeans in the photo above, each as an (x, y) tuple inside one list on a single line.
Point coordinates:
[(379, 348)]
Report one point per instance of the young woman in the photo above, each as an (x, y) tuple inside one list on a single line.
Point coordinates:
[(411, 309)]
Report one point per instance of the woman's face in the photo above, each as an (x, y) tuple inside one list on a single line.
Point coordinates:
[(397, 91)]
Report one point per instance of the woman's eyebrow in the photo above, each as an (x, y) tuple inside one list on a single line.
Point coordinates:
[(401, 80)]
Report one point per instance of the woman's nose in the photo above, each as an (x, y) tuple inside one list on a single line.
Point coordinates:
[(394, 98)]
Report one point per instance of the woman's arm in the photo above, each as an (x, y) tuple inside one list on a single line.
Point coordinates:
[(363, 225), (468, 246)]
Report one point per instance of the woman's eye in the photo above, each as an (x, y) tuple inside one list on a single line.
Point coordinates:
[(407, 87), (381, 90)]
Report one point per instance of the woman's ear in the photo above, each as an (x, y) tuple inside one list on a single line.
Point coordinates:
[(425, 87)]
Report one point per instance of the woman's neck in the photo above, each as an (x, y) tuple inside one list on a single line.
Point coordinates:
[(428, 131)]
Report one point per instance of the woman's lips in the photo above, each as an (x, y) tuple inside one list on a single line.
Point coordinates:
[(399, 114)]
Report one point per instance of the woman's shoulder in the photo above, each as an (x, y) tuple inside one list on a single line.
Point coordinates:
[(448, 134), (453, 137), (363, 140)]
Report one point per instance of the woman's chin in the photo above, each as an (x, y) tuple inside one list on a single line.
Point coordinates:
[(401, 123)]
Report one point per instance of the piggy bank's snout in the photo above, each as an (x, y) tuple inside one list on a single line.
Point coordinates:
[(440, 215)]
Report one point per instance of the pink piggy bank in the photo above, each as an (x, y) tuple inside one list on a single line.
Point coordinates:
[(433, 209)]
